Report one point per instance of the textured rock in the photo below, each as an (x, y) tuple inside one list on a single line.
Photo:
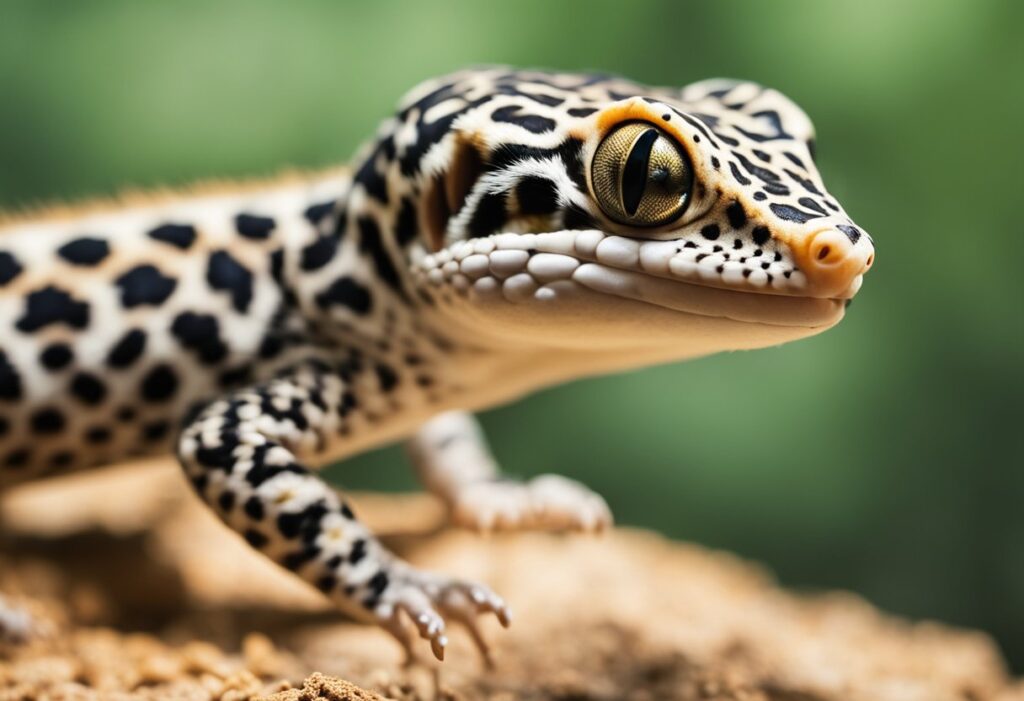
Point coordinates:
[(626, 616)]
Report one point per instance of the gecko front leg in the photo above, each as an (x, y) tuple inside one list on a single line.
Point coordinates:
[(241, 454), (454, 462)]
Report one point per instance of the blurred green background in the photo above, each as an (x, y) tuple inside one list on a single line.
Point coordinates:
[(884, 456)]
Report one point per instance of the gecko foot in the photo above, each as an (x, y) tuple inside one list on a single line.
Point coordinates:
[(428, 600), (546, 503)]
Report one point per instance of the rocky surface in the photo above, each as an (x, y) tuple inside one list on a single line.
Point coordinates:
[(145, 596)]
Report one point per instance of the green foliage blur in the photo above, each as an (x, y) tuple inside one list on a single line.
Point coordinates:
[(883, 456)]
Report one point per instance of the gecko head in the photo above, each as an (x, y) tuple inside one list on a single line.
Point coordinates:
[(597, 213)]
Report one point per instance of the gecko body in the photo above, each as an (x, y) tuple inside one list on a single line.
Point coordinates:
[(503, 231)]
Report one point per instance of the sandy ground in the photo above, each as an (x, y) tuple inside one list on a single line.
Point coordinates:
[(148, 597)]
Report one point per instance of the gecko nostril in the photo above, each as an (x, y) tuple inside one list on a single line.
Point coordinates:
[(869, 261), (823, 252)]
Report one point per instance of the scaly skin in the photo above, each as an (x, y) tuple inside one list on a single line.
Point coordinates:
[(504, 231)]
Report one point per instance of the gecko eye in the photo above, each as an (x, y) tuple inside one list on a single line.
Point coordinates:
[(640, 176)]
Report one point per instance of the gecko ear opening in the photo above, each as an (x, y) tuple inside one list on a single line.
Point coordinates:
[(447, 192)]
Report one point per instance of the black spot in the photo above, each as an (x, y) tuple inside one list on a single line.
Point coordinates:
[(89, 388), (326, 582), (371, 179), (84, 251), (784, 211), (254, 227), (51, 305), (261, 472), (10, 268), (736, 214), (388, 378), (155, 430), (776, 189), (573, 217), (805, 183), (159, 384), (763, 174), (812, 204), (277, 266), (536, 195), (358, 552), (581, 111), (125, 414), (794, 159), (271, 346), (317, 254), (178, 235), (253, 508), (255, 538), (56, 356), (226, 273), (346, 292), (760, 196), (98, 434), (710, 232), (5, 426), (490, 215), (226, 500), (315, 213), (549, 100), (305, 523), (766, 157), (297, 559), (378, 583), (47, 421), (370, 243), (761, 235), (531, 122), (10, 380), (18, 457), (218, 457), (201, 334), (127, 350), (715, 163), (145, 284), (740, 177), (852, 232), (405, 225), (61, 459), (233, 377)]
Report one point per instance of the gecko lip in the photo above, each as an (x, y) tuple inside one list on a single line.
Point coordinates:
[(521, 267)]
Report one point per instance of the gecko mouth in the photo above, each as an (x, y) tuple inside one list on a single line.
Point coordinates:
[(694, 278)]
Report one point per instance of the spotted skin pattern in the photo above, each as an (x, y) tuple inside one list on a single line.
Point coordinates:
[(462, 262)]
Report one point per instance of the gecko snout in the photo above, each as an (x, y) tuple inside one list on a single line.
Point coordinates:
[(834, 259)]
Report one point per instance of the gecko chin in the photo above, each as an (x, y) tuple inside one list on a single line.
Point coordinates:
[(591, 290)]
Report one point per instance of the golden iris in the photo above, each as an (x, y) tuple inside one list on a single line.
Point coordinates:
[(640, 176)]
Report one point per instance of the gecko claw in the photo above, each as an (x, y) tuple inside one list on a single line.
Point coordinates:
[(428, 599)]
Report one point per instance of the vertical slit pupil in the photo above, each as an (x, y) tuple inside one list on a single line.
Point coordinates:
[(634, 174)]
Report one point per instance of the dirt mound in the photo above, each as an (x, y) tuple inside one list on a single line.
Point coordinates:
[(148, 597)]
